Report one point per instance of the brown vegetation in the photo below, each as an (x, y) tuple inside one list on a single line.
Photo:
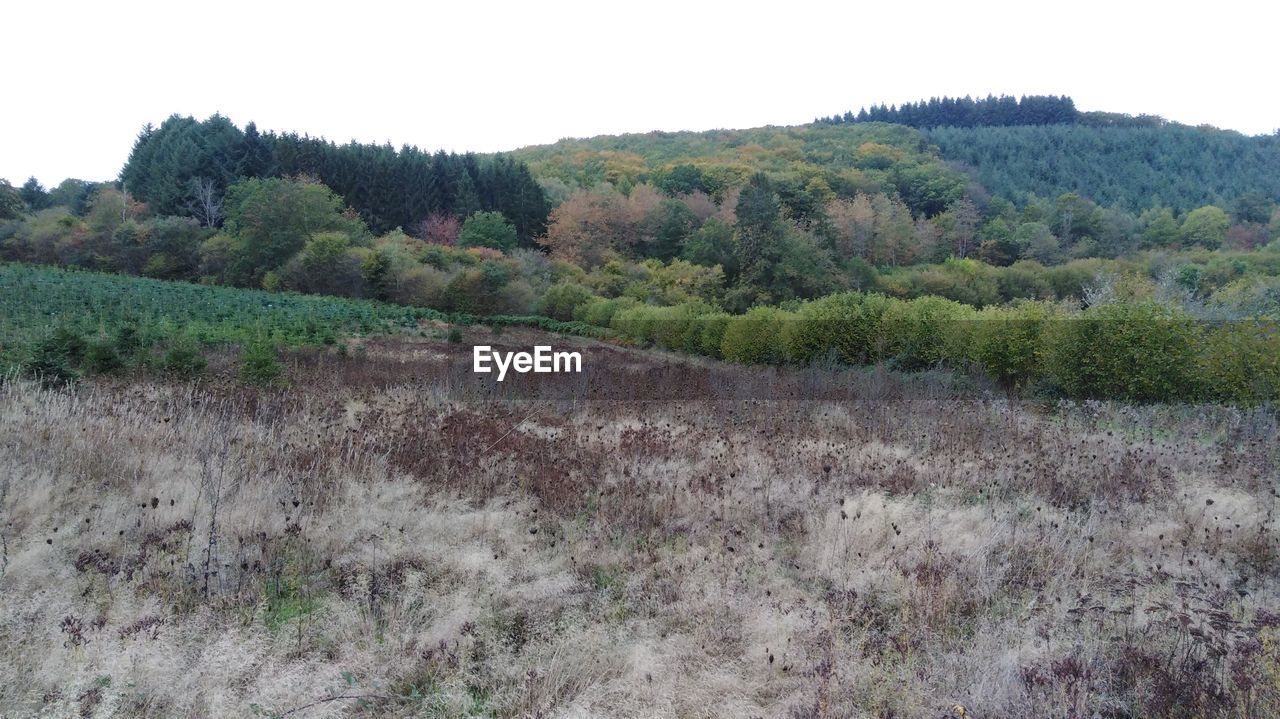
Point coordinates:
[(369, 542)]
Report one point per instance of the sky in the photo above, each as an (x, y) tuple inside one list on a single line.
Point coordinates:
[(83, 78)]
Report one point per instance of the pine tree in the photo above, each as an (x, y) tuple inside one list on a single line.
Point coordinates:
[(34, 195)]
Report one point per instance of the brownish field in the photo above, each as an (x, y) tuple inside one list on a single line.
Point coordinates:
[(369, 542)]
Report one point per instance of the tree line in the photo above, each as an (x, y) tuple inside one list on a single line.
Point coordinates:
[(185, 166), (991, 111)]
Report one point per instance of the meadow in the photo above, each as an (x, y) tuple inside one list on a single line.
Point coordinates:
[(374, 539)]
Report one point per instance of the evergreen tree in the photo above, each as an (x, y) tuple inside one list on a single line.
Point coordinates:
[(34, 195), (11, 203), (254, 158)]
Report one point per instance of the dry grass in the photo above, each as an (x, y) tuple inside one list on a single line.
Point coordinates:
[(366, 544)]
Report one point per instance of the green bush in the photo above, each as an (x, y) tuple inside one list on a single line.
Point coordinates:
[(709, 330), (925, 332), (600, 312), (676, 328), (488, 229), (562, 300), (1135, 351), (756, 337), (1240, 362), (1007, 342), (53, 359), (128, 340), (184, 359), (260, 364), (637, 323), (101, 357), (843, 327)]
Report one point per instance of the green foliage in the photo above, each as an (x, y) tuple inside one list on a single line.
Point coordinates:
[(53, 358), (33, 195), (183, 358), (1205, 227), (990, 111), (488, 229), (1134, 351), (676, 223), (286, 600), (1007, 343), (260, 364), (600, 312), (843, 327), (1181, 167), (484, 290), (388, 188), (1241, 361), (636, 323), (926, 332), (166, 160), (711, 328), (270, 220), (327, 264), (140, 311), (563, 300), (756, 337), (871, 157), (678, 328), (101, 357), (12, 205), (710, 245)]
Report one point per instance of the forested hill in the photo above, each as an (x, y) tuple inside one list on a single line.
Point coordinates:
[(1015, 149), (1172, 165), (807, 161)]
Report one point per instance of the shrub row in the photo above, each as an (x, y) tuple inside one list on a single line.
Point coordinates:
[(1139, 351)]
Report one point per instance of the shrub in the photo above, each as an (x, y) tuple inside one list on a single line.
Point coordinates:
[(1240, 362), (675, 328), (636, 323), (418, 285), (516, 297), (600, 312), (710, 333), (183, 359), (1007, 342), (925, 332), (844, 327), (128, 340), (488, 229), (455, 335), (1135, 351), (100, 357), (53, 359), (260, 365), (756, 337), (562, 300)]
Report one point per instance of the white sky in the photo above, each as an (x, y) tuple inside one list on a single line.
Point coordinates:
[(82, 78)]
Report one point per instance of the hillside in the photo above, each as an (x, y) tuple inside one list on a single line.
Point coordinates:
[(872, 157), (1113, 160), (1130, 167)]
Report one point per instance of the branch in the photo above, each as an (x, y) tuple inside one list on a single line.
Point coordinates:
[(333, 699)]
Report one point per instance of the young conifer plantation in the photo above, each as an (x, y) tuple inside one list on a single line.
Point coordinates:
[(962, 407)]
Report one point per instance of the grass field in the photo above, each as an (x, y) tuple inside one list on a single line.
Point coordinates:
[(368, 542)]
